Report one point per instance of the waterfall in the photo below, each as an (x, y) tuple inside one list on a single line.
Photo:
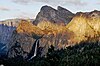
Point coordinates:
[(33, 52)]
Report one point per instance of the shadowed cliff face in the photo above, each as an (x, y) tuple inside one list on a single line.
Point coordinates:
[(85, 26), (59, 16), (5, 33), (6, 29)]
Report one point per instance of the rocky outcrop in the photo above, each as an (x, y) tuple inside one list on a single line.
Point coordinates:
[(85, 26), (59, 16)]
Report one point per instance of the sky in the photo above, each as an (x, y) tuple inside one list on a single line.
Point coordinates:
[(10, 9)]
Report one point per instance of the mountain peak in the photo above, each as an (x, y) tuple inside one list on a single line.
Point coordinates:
[(46, 8), (59, 8), (59, 16)]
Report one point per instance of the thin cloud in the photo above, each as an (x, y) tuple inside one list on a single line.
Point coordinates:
[(52, 2), (2, 8), (22, 1), (98, 3)]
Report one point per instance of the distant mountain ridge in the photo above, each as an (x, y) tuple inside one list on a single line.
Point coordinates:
[(13, 22)]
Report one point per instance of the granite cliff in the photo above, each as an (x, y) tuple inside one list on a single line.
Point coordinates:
[(86, 26)]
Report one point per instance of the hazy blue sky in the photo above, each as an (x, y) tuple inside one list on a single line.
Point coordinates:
[(29, 8)]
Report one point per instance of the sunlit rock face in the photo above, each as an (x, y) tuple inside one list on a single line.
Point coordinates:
[(58, 16), (85, 25), (28, 28)]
